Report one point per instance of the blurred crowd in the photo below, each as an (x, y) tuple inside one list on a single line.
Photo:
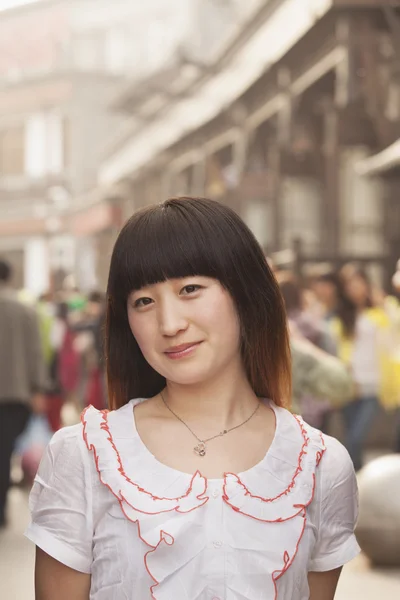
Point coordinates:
[(345, 341), (344, 336), (71, 330)]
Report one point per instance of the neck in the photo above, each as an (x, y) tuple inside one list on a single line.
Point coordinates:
[(222, 401)]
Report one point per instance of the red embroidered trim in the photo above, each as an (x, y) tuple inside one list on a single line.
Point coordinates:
[(164, 536), (297, 472), (287, 561), (121, 469), (168, 538), (301, 507), (320, 453)]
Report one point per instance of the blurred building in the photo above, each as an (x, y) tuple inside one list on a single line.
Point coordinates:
[(285, 109), (61, 63), (273, 109)]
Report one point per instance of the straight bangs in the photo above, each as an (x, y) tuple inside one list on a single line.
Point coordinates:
[(165, 243)]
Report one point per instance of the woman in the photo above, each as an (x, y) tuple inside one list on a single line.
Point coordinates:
[(364, 344), (203, 485)]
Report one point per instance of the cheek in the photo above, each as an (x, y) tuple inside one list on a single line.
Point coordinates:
[(222, 319), (141, 331)]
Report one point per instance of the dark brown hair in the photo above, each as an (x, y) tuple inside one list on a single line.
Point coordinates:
[(346, 309), (292, 293), (195, 236)]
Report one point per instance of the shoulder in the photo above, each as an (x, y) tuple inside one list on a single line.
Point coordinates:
[(65, 451), (67, 436), (336, 467), (64, 469)]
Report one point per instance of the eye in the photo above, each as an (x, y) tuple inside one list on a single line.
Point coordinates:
[(141, 302), (190, 289)]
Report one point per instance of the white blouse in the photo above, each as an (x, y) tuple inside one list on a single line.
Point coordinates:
[(103, 504)]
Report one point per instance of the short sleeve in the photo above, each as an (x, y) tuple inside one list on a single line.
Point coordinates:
[(61, 501), (336, 543)]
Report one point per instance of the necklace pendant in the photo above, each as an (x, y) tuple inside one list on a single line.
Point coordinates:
[(200, 449)]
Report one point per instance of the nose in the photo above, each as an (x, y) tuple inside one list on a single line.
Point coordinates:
[(171, 318)]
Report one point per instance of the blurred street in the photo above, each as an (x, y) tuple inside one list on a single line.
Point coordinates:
[(17, 561)]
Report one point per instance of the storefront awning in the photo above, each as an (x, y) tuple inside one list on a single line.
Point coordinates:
[(381, 163), (283, 28)]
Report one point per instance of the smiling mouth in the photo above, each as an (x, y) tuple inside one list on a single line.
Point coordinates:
[(182, 350)]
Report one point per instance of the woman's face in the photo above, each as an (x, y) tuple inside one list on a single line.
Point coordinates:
[(187, 329), (325, 292), (357, 290)]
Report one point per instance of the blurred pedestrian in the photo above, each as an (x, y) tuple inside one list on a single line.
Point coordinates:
[(326, 288), (22, 374), (363, 330), (223, 487), (93, 324), (308, 323), (67, 365)]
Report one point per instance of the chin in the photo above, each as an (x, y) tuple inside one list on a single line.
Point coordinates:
[(188, 374)]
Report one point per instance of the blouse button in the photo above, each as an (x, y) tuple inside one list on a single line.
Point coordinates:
[(215, 495), (217, 544)]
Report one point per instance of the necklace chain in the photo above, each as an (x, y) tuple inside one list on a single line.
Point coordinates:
[(201, 448)]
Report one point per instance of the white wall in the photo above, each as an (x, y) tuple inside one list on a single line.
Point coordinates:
[(36, 267), (43, 144)]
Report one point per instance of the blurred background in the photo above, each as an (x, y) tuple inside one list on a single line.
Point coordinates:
[(286, 110)]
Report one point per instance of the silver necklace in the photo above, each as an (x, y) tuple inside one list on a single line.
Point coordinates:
[(201, 447)]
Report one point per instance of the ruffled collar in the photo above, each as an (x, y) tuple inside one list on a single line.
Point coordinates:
[(165, 503)]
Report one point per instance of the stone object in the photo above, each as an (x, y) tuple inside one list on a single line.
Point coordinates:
[(378, 529)]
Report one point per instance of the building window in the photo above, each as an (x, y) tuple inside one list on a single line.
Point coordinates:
[(36, 145), (115, 51), (46, 144), (12, 151), (301, 202)]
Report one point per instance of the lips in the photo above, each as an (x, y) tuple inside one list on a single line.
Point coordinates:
[(181, 348)]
